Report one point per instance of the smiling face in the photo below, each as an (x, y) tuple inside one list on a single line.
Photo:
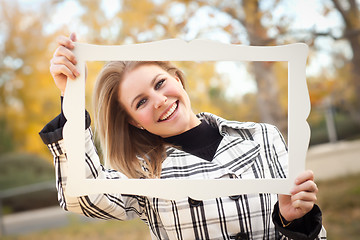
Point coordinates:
[(156, 101)]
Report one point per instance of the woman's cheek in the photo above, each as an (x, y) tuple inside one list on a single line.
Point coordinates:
[(145, 118)]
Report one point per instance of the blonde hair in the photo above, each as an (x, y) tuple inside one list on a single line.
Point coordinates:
[(136, 153)]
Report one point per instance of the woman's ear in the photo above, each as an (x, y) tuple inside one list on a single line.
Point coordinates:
[(178, 76), (178, 79)]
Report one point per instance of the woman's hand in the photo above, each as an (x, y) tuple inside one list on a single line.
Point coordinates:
[(302, 198), (62, 65)]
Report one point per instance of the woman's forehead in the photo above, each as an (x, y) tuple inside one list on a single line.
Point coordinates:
[(144, 72)]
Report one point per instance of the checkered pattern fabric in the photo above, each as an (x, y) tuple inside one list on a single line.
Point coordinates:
[(247, 151)]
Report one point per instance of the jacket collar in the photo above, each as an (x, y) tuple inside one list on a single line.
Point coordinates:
[(224, 124)]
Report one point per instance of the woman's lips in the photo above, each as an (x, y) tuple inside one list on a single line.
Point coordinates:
[(169, 112)]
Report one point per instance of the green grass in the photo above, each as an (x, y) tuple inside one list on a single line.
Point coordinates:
[(106, 230), (21, 169), (339, 200)]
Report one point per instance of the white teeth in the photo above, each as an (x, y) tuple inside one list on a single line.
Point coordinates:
[(171, 111)]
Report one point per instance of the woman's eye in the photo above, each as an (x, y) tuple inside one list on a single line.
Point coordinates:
[(141, 102), (159, 84)]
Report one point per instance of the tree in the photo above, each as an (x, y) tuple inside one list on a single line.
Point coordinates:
[(25, 55), (247, 16), (27, 95), (346, 67), (147, 20), (142, 21), (350, 13)]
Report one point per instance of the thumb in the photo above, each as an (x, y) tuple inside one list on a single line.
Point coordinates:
[(73, 37)]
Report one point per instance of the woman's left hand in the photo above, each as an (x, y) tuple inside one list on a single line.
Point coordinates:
[(302, 198)]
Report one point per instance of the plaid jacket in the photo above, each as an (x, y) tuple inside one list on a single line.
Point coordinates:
[(247, 151)]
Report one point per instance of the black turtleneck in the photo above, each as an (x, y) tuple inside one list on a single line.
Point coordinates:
[(201, 141)]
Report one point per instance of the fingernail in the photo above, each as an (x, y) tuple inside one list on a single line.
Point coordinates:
[(297, 181)]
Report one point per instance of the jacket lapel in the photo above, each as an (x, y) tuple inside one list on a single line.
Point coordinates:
[(235, 154)]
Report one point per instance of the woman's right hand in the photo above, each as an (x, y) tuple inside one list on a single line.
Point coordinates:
[(62, 65)]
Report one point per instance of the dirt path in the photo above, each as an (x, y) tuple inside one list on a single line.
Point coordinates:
[(334, 160)]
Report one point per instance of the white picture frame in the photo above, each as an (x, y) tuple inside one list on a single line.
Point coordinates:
[(179, 50)]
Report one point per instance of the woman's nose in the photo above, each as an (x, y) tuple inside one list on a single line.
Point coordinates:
[(159, 100)]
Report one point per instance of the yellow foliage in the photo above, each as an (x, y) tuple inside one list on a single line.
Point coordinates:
[(200, 78), (93, 69), (281, 73), (138, 16), (321, 87), (29, 97)]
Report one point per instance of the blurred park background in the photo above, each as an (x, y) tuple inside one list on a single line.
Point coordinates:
[(29, 99)]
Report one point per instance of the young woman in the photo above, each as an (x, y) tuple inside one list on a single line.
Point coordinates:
[(148, 130)]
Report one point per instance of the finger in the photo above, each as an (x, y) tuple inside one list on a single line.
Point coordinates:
[(308, 186), (304, 176), (61, 60), (304, 196), (63, 51), (73, 37), (58, 69), (303, 206), (65, 41)]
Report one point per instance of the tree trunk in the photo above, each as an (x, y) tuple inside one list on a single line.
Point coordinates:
[(268, 89), (355, 78), (351, 17), (268, 96)]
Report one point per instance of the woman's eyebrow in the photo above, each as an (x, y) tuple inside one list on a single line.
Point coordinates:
[(151, 84)]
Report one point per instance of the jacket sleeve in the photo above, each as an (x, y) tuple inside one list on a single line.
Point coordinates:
[(308, 227), (103, 206)]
